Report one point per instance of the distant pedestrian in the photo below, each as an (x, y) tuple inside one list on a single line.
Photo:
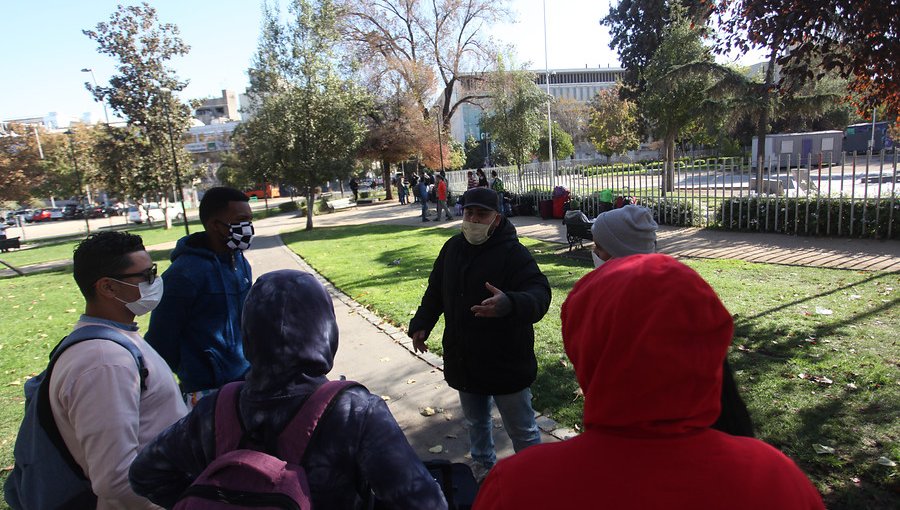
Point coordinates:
[(496, 182), (423, 197), (482, 179), (354, 187), (441, 195), (414, 187), (471, 180)]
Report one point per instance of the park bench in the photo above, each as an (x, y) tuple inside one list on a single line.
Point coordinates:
[(578, 228), (9, 243), (341, 203)]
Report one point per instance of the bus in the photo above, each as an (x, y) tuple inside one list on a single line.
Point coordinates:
[(264, 191)]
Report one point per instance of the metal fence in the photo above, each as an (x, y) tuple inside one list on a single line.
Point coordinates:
[(848, 196)]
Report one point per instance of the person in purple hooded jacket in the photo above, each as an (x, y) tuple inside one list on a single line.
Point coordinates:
[(290, 338)]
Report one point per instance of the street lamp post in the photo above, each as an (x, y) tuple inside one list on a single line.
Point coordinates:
[(175, 161), (105, 114), (70, 134), (486, 138)]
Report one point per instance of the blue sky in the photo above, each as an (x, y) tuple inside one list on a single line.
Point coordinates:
[(45, 50)]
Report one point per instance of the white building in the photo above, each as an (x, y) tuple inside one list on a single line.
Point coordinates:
[(578, 84)]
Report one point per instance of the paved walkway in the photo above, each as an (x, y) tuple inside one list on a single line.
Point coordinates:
[(380, 356)]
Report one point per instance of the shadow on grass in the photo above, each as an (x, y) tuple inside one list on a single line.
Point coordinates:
[(856, 410)]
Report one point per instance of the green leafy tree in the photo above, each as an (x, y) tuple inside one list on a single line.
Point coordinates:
[(671, 101), (562, 143), (613, 128), (309, 116), (138, 158), (637, 29), (515, 114)]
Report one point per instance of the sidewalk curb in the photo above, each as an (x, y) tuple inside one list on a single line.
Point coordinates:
[(545, 423)]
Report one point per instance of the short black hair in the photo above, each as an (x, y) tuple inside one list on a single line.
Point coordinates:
[(215, 200), (103, 254), (493, 173)]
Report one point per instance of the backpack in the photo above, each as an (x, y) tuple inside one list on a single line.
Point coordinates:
[(245, 478), (45, 475)]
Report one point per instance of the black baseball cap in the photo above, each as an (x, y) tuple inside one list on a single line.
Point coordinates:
[(481, 197)]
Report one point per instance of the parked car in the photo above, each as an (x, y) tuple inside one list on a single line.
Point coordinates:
[(26, 215), (101, 211), (73, 212), (48, 214), (153, 212)]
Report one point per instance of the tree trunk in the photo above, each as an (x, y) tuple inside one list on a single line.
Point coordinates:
[(165, 209), (762, 125), (310, 203), (668, 183), (386, 176)]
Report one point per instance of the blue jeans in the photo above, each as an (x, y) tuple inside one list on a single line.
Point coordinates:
[(424, 207), (518, 420)]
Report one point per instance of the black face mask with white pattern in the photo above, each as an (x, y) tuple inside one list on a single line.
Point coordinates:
[(241, 235)]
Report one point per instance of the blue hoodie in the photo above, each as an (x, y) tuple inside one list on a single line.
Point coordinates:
[(291, 337), (197, 326)]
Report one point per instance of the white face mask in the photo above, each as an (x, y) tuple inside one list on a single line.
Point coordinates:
[(597, 260), (477, 233), (151, 294)]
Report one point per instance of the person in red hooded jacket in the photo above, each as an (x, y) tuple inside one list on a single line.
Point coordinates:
[(647, 337)]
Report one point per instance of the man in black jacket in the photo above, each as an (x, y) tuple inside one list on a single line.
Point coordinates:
[(491, 292)]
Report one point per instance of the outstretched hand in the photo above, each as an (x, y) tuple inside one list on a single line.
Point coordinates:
[(498, 305)]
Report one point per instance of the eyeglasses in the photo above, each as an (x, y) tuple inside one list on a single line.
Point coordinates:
[(148, 274)]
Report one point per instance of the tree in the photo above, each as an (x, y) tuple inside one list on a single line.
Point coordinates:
[(515, 114), (396, 130), (613, 128), (419, 40), (562, 143), (20, 163), (573, 117), (139, 162), (808, 39), (309, 117), (637, 28), (673, 101)]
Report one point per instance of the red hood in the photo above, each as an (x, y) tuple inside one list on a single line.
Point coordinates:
[(647, 337)]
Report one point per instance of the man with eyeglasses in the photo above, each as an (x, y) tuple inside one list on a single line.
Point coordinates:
[(105, 410), (197, 326)]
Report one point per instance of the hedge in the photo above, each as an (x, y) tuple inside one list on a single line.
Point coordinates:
[(826, 216)]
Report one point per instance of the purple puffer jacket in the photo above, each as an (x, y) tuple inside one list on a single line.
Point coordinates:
[(290, 338)]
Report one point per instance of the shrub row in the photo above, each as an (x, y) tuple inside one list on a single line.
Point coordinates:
[(831, 216)]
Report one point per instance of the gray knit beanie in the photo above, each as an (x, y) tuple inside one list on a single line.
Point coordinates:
[(626, 231)]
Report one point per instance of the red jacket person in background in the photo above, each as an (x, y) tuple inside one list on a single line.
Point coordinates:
[(647, 336)]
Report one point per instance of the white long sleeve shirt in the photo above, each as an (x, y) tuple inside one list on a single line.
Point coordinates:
[(102, 414)]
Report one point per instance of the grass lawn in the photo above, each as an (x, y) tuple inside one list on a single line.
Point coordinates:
[(808, 376)]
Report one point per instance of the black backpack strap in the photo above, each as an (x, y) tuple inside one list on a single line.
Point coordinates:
[(44, 411)]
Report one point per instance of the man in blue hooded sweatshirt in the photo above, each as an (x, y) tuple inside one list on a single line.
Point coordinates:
[(197, 325)]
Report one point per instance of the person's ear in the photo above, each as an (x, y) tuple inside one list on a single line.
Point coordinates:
[(105, 287)]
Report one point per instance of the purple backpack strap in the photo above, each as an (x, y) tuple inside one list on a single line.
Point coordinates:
[(228, 422), (294, 439)]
